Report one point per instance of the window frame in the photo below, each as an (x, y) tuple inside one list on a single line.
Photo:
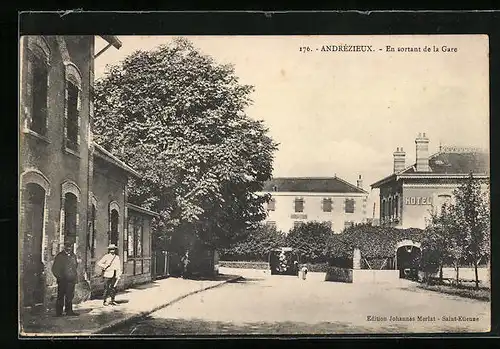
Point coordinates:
[(38, 53), (73, 77), (271, 205), (324, 203), (301, 201), (349, 200)]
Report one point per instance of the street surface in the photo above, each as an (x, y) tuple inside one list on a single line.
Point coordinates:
[(265, 304)]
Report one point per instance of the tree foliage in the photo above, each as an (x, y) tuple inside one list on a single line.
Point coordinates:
[(372, 241), (310, 239), (256, 246), (178, 118), (460, 231)]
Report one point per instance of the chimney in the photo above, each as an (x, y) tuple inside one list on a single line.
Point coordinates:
[(422, 145), (399, 160), (360, 182)]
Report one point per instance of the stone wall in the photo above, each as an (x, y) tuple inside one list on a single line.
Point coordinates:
[(339, 274)]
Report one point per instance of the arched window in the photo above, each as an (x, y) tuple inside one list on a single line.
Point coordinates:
[(70, 216), (113, 231), (72, 106), (69, 211), (37, 85), (396, 206)]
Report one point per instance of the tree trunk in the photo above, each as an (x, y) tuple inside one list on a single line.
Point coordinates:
[(441, 273), (475, 270), (457, 271)]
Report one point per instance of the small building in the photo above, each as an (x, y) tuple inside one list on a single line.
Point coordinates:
[(138, 246), (332, 200), (410, 193)]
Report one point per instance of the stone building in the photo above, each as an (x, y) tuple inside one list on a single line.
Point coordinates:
[(70, 187), (410, 193), (332, 200)]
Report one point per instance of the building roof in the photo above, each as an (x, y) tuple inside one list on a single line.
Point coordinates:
[(446, 164), (312, 185), (142, 210), (113, 40), (107, 156)]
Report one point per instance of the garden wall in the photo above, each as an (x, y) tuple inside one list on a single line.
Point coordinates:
[(244, 265), (339, 274), (375, 276)]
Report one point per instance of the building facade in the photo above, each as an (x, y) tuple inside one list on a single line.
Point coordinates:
[(411, 193), (330, 200), (70, 188)]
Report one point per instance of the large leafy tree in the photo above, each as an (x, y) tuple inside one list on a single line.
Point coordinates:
[(310, 239), (179, 118)]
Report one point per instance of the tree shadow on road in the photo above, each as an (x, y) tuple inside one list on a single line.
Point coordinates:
[(150, 326)]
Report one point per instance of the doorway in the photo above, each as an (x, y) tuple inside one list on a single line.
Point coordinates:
[(32, 273), (408, 261)]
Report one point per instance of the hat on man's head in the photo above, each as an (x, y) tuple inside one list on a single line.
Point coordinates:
[(68, 243), (112, 247)]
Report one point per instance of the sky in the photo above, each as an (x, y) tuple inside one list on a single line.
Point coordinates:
[(345, 113)]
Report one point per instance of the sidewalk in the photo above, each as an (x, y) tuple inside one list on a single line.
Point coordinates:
[(132, 303)]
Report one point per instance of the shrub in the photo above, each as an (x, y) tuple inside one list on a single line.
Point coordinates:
[(310, 239)]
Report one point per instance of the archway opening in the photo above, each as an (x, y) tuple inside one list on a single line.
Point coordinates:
[(32, 264), (408, 261)]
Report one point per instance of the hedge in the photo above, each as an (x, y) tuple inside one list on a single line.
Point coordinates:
[(244, 265), (373, 242)]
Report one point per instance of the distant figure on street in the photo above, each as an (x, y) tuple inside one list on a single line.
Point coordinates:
[(64, 269), (304, 272), (185, 262), (296, 267), (111, 271)]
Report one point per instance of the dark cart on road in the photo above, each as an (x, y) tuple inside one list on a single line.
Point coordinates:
[(284, 261)]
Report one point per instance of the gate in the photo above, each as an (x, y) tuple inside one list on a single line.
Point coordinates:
[(161, 261)]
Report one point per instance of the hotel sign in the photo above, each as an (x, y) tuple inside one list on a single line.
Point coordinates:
[(298, 216), (418, 200)]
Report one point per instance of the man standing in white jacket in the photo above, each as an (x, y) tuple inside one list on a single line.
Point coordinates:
[(112, 271)]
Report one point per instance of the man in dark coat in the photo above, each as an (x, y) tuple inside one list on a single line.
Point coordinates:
[(64, 269)]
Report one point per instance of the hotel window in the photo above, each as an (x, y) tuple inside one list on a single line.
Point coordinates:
[(396, 206), (72, 107), (327, 205), (297, 224), (349, 205), (299, 205), (38, 80), (443, 199), (271, 205)]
